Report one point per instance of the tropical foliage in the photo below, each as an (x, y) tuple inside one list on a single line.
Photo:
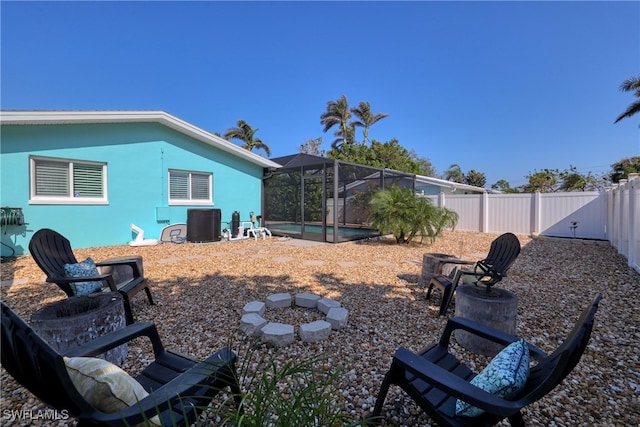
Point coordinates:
[(544, 181), (630, 85), (475, 178), (454, 173), (366, 119), (312, 146), (504, 186), (572, 180), (426, 168), (245, 133), (282, 196), (390, 155), (398, 211), (338, 114), (554, 180), (624, 167)]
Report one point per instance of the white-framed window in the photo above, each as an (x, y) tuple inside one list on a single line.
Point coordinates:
[(64, 181), (190, 188)]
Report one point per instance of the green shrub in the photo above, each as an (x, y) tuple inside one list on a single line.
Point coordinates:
[(400, 212)]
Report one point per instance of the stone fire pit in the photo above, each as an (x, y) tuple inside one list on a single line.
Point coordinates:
[(280, 334)]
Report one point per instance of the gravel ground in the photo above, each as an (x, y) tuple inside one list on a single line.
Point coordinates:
[(200, 290)]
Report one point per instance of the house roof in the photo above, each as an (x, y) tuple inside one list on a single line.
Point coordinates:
[(161, 117), (452, 185), (302, 159)]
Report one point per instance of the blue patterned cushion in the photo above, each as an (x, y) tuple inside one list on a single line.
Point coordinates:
[(86, 268), (504, 376)]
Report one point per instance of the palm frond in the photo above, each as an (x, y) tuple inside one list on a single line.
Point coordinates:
[(631, 84), (633, 109), (245, 133)]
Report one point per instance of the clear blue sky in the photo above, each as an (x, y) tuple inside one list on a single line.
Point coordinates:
[(505, 88)]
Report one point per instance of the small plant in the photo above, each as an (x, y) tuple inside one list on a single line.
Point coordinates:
[(573, 226), (283, 393)]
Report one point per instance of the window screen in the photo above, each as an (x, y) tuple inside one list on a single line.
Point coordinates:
[(187, 187), (60, 181)]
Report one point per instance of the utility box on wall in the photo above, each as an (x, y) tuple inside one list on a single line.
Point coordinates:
[(163, 214), (203, 225)]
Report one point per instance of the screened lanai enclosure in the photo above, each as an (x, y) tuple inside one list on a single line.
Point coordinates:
[(316, 198)]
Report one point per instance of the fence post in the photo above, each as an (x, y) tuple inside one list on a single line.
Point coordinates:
[(615, 214), (609, 222), (634, 187), (622, 186), (536, 202), (484, 212)]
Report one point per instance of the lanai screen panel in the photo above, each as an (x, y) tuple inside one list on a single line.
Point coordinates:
[(356, 185), (323, 199), (282, 200)]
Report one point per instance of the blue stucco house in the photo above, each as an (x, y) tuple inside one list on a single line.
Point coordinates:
[(91, 174)]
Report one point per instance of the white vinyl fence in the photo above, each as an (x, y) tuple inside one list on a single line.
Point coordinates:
[(611, 215), (623, 219)]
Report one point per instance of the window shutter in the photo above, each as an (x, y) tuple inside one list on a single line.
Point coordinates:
[(178, 185), (87, 180), (199, 187), (52, 178)]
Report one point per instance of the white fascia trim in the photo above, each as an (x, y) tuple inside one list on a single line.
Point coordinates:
[(166, 119), (450, 184)]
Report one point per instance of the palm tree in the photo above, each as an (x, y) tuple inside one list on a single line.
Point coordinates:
[(367, 118), (624, 167), (432, 220), (399, 211), (475, 178), (454, 173), (342, 139), (244, 132), (630, 85), (338, 113)]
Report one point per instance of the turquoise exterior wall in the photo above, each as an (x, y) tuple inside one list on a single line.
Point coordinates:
[(138, 157)]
